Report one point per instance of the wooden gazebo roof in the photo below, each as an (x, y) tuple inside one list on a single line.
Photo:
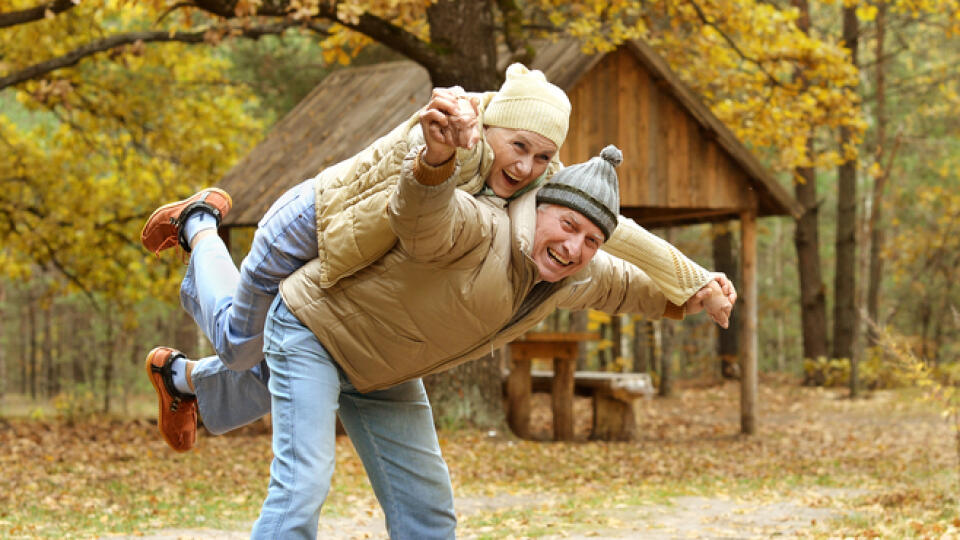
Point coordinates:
[(653, 117)]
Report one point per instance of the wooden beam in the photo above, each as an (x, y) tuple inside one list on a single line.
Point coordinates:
[(748, 328), (649, 216)]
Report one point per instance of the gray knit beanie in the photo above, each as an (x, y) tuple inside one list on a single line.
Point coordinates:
[(590, 188)]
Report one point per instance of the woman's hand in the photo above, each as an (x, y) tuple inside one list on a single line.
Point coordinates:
[(450, 120)]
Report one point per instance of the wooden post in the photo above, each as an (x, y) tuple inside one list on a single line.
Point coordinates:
[(518, 397), (562, 398), (748, 328)]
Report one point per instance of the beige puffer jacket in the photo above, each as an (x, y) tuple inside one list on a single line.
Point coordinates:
[(353, 230), (449, 291)]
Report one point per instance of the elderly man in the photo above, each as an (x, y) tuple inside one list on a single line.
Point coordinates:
[(467, 275)]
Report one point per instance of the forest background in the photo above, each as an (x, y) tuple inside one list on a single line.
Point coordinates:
[(109, 108)]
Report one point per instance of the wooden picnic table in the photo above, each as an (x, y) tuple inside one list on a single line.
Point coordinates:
[(613, 394), (563, 348)]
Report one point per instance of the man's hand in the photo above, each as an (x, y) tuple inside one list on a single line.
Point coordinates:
[(450, 120), (715, 299), (726, 286)]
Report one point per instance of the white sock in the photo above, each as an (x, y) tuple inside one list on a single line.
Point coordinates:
[(178, 368), (198, 220)]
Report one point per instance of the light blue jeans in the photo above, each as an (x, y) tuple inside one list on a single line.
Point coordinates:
[(392, 431), (230, 306)]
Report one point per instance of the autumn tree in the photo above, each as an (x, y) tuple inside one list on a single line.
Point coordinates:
[(845, 292), (914, 91), (127, 104)]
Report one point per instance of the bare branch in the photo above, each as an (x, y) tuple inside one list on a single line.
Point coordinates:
[(71, 58), (395, 38), (369, 25), (36, 13)]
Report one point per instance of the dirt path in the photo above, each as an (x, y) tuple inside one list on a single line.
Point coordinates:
[(684, 517)]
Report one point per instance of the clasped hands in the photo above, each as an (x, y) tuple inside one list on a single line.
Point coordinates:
[(450, 120), (717, 298)]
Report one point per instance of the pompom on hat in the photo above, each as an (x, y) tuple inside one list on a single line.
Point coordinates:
[(591, 188), (528, 101)]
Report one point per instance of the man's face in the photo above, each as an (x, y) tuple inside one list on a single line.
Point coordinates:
[(520, 157), (564, 241)]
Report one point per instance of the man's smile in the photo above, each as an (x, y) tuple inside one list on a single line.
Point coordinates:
[(556, 257)]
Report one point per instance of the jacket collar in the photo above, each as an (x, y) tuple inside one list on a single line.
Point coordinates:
[(523, 220)]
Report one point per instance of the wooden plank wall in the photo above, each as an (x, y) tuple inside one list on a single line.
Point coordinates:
[(669, 161)]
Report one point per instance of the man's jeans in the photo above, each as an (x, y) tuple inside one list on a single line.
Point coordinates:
[(392, 431), (231, 307)]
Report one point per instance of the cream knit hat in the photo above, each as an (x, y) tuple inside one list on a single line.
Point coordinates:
[(527, 101)]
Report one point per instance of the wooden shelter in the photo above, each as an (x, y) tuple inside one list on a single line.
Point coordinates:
[(681, 164)]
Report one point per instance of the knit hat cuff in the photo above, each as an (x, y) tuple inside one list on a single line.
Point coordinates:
[(575, 199), (530, 114)]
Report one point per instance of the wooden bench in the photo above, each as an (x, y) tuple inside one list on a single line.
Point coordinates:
[(613, 396)]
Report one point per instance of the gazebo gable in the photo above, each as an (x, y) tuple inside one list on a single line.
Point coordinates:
[(681, 164)]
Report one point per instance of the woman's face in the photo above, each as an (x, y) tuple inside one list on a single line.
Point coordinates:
[(520, 157)]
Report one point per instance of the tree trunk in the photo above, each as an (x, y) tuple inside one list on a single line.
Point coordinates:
[(876, 206), (578, 323), (813, 302), (778, 278), (463, 34), (616, 336), (109, 352), (725, 260), (77, 360), (605, 356), (3, 347), (23, 339), (666, 358), (32, 369), (46, 349), (845, 294), (641, 345), (470, 394)]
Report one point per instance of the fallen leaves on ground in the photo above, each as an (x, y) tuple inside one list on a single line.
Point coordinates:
[(885, 466)]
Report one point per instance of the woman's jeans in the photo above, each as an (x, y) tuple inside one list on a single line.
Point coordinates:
[(231, 306), (392, 431)]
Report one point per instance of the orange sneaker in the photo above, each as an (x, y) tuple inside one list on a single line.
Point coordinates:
[(162, 229), (178, 412)]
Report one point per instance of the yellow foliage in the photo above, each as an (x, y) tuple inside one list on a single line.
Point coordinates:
[(113, 139), (96, 148), (866, 12)]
